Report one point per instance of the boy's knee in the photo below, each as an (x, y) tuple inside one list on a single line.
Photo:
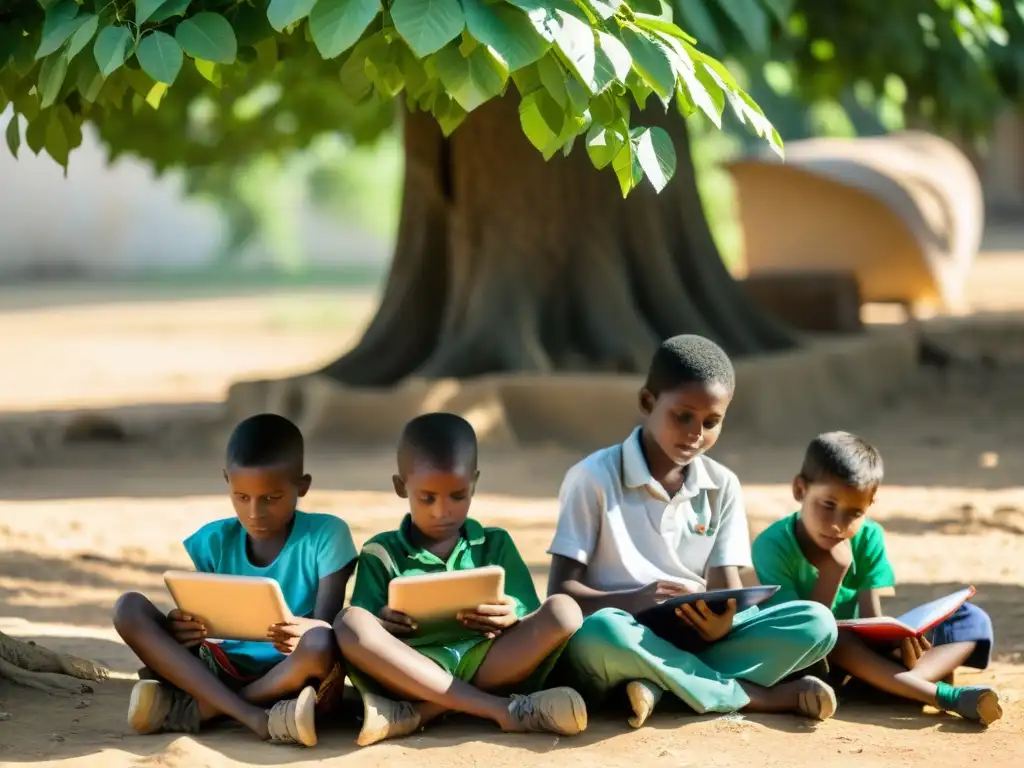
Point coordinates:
[(351, 625), (318, 650), (563, 614), (821, 624), (129, 610)]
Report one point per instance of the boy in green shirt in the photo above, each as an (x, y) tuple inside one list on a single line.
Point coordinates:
[(829, 552), (452, 667)]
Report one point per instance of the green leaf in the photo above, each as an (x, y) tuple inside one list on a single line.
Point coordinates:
[(781, 9), (658, 24), (602, 9), (35, 132), (283, 13), (696, 18), (554, 78), (695, 88), (505, 29), (627, 168), (168, 9), (470, 81), (156, 94), (146, 8), (542, 120), (751, 20), (603, 144), (656, 155), (89, 81), (13, 134), (56, 142), (576, 40), (427, 25), (336, 25), (651, 60), (51, 78), (613, 60), (208, 36), (160, 57), (449, 114), (111, 48), (59, 24), (81, 38), (210, 72)]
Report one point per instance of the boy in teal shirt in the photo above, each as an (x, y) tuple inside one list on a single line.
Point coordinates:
[(829, 552), (452, 666), (311, 556)]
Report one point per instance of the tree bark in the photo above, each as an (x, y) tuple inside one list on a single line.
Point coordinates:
[(36, 667), (505, 263)]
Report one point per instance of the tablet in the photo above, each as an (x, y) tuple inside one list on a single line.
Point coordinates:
[(433, 596), (231, 607), (662, 619)]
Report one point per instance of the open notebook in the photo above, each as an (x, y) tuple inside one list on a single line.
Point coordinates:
[(913, 623)]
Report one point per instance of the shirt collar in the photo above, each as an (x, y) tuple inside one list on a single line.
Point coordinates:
[(636, 473), (472, 534)]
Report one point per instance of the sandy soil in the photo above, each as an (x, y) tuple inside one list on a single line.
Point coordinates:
[(88, 522)]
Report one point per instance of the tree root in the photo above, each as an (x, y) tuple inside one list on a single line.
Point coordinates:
[(33, 666)]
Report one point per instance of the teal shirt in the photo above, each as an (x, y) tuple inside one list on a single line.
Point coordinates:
[(392, 554), (778, 559), (318, 546)]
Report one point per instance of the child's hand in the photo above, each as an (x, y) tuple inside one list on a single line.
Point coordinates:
[(286, 636), (186, 629), (658, 592), (840, 556), (490, 620), (710, 626), (395, 622), (912, 649)]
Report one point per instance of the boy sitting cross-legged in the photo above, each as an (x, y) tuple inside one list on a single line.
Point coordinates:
[(831, 553), (652, 518), (311, 556), (505, 647)]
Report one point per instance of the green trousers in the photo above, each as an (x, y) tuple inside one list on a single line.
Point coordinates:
[(764, 646)]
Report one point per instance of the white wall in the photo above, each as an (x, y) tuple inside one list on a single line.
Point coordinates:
[(100, 217)]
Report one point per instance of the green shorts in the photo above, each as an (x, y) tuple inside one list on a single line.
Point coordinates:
[(462, 660)]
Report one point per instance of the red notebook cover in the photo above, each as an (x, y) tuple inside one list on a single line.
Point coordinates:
[(913, 623)]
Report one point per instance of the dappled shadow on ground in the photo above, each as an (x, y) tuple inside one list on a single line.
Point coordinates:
[(79, 589)]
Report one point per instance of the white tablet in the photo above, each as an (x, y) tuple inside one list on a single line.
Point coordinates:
[(432, 596), (231, 607)]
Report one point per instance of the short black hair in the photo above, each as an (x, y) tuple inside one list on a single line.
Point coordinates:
[(443, 440), (845, 457), (265, 440), (689, 359)]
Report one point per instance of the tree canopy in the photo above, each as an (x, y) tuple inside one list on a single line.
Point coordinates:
[(206, 82), (250, 74)]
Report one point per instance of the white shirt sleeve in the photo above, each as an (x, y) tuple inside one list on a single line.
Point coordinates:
[(732, 544), (581, 506)]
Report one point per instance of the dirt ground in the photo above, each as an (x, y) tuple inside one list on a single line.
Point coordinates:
[(85, 522)]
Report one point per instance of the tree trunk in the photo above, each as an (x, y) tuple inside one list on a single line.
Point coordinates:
[(505, 262), (33, 666)]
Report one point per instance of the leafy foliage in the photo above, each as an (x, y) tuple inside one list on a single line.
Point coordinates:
[(216, 82), (196, 74)]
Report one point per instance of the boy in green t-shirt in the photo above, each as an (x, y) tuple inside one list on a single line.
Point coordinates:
[(453, 666), (829, 552)]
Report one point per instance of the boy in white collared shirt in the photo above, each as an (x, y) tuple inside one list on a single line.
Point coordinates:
[(652, 518)]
